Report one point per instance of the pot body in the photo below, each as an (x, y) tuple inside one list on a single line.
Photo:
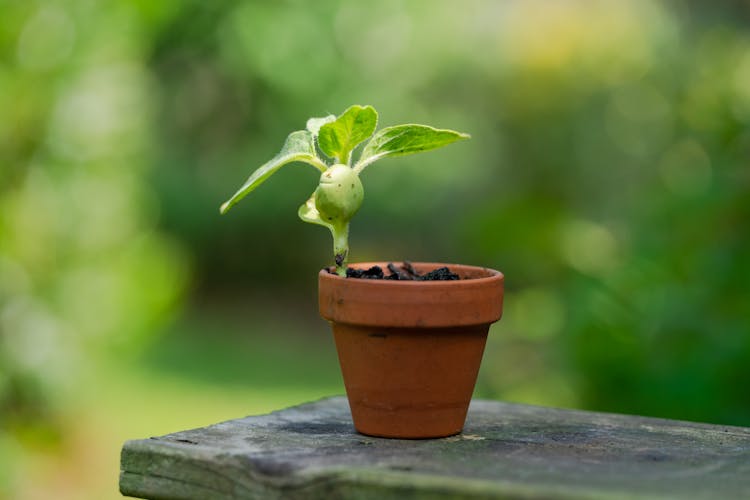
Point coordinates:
[(410, 351)]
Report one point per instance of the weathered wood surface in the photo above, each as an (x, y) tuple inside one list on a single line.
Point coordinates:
[(506, 451)]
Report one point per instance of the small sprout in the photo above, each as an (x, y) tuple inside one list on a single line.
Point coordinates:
[(339, 194)]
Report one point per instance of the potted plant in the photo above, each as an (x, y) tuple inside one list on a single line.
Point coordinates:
[(409, 340)]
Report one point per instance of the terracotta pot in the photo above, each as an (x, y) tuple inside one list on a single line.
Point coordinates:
[(410, 350)]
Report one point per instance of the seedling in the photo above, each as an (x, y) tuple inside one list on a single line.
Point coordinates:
[(340, 193)]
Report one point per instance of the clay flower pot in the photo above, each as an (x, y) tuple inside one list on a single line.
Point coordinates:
[(410, 350)]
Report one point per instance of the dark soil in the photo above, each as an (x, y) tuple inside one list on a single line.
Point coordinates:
[(405, 272)]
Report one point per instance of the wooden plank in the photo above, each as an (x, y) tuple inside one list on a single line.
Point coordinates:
[(506, 451)]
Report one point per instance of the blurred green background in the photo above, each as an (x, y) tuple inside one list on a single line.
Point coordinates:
[(607, 177)]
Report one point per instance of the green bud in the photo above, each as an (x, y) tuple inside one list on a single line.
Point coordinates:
[(339, 194)]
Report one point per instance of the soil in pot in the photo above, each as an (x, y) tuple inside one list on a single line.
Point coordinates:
[(404, 272)]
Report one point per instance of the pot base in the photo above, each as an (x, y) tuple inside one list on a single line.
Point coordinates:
[(411, 383)]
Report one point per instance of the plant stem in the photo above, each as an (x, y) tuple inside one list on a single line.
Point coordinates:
[(340, 234)]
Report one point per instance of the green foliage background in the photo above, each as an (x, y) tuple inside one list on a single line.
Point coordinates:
[(607, 176)]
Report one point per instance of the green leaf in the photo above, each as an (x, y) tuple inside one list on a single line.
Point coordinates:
[(405, 140), (308, 212), (338, 138), (314, 124), (299, 146)]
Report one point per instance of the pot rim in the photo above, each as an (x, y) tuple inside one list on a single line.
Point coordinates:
[(413, 304), (493, 275)]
